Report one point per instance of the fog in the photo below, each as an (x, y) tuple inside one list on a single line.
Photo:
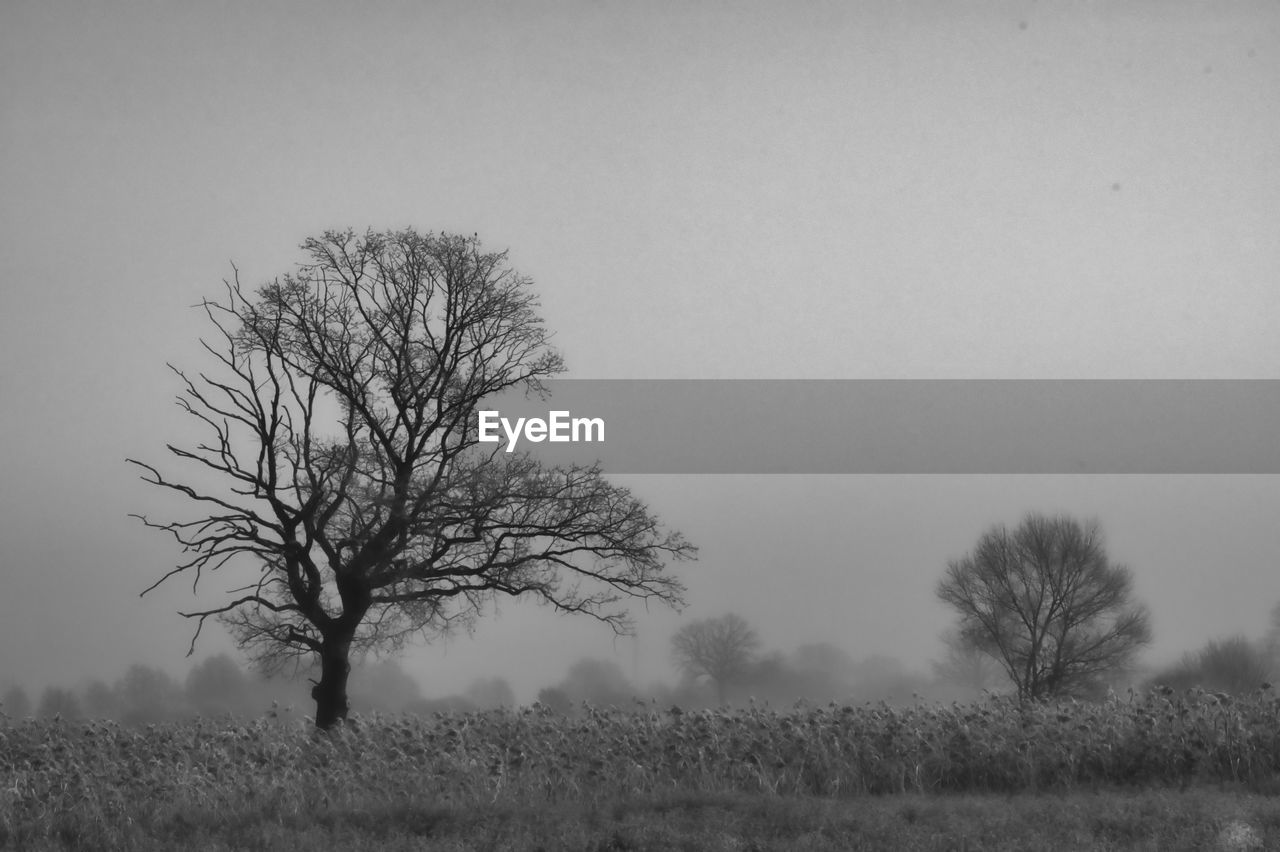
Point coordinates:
[(768, 191)]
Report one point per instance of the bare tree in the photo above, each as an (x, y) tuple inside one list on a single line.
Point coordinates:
[(1045, 601), (722, 648), (343, 427)]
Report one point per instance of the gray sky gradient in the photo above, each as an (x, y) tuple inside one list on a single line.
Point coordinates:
[(704, 190)]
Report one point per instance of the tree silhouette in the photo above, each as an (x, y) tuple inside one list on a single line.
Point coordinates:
[(343, 431), (1045, 601), (722, 648)]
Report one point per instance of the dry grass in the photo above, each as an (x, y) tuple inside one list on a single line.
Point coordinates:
[(515, 779)]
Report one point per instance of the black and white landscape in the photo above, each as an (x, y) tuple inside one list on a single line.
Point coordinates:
[(846, 222)]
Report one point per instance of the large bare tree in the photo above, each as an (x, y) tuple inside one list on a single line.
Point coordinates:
[(342, 423), (720, 648), (1045, 601)]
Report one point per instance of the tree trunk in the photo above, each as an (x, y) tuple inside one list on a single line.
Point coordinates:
[(330, 692)]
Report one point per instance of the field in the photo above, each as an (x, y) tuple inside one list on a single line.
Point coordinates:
[(1161, 771)]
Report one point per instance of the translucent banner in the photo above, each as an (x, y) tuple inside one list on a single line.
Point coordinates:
[(917, 427)]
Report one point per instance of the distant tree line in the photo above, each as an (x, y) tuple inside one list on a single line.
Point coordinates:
[(721, 662), (218, 687), (1042, 613)]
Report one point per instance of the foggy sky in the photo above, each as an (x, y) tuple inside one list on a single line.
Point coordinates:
[(707, 190)]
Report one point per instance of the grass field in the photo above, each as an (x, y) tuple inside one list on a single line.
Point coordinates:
[(1166, 821), (1164, 771)]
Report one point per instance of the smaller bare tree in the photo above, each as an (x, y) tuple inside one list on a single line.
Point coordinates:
[(722, 648), (1047, 603)]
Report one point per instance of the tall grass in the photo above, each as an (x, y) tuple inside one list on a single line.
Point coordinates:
[(91, 779)]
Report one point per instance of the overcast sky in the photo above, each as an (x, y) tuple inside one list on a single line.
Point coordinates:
[(699, 190)]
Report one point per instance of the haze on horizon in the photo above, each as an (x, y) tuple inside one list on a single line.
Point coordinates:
[(746, 191)]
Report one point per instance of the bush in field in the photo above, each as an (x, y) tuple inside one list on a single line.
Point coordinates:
[(147, 695), (556, 699), (773, 679), (590, 681), (1233, 665), (56, 701), (101, 701), (216, 686)]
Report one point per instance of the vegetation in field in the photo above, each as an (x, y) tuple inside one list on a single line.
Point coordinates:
[(94, 779), (1233, 665), (1150, 821), (217, 686)]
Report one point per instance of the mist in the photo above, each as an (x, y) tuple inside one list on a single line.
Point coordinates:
[(814, 191), (837, 577)]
